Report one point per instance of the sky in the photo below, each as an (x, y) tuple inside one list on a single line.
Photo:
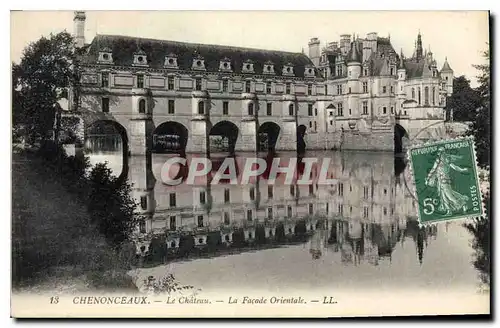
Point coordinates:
[(461, 36)]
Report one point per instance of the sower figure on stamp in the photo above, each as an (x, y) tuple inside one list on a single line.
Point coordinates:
[(440, 176)]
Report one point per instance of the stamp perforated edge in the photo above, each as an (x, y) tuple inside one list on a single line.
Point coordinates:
[(465, 218)]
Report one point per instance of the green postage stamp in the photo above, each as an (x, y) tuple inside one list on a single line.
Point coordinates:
[(446, 180)]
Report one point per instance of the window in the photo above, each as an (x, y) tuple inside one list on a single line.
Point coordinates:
[(384, 89), (365, 107), (350, 112), (270, 193), (289, 211), (385, 210), (140, 81), (384, 110), (365, 192), (142, 106), (331, 122), (339, 89), (311, 209), (309, 89), (331, 113), (201, 108), (419, 96), (105, 80), (365, 72), (269, 109), (252, 193), (270, 212), (247, 86), (200, 221), (142, 226), (225, 84), (290, 110), (227, 195), (339, 70), (171, 106), (392, 89), (170, 83), (292, 190), (225, 108), (365, 87), (268, 87), (144, 202), (433, 95), (310, 109), (350, 90), (365, 212), (392, 110), (327, 208), (310, 124), (202, 197), (311, 189), (288, 87), (172, 200), (249, 215), (426, 95), (172, 223), (341, 189), (315, 111), (340, 109), (105, 105), (250, 108), (341, 209), (198, 83), (392, 70), (226, 218), (412, 93)]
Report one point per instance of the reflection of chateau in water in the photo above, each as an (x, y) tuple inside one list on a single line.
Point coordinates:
[(361, 217)]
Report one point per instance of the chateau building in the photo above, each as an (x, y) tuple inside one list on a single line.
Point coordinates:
[(170, 96)]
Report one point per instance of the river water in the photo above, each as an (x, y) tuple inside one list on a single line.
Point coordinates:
[(359, 234)]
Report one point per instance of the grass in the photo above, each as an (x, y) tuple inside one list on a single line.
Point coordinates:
[(54, 246)]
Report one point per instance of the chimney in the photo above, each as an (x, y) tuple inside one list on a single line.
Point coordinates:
[(314, 51), (79, 28)]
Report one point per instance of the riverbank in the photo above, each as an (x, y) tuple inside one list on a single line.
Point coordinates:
[(54, 246)]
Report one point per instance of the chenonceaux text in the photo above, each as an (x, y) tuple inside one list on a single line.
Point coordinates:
[(110, 300)]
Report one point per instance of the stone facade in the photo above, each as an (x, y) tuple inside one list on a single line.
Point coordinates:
[(347, 96)]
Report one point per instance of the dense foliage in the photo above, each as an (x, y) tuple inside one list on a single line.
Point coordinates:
[(39, 81), (464, 101)]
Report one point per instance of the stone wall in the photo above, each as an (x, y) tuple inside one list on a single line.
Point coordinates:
[(379, 141)]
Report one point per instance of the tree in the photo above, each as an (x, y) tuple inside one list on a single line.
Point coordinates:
[(40, 80), (480, 128), (110, 205), (464, 101)]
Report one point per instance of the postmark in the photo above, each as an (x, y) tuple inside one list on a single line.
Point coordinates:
[(445, 177)]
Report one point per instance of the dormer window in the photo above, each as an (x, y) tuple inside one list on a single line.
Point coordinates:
[(247, 67), (140, 58), (225, 65), (198, 63), (288, 70), (268, 68), (105, 56), (170, 61), (309, 71)]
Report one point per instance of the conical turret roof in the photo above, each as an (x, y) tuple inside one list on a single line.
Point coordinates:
[(354, 56), (446, 66)]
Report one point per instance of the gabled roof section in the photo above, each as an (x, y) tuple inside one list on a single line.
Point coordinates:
[(124, 47)]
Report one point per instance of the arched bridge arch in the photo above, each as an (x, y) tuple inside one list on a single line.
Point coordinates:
[(170, 137), (400, 134), (223, 136), (268, 135)]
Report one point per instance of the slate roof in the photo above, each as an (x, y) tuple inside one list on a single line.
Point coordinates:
[(124, 47), (446, 67)]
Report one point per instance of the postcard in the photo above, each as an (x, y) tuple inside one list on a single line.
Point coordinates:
[(206, 164)]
